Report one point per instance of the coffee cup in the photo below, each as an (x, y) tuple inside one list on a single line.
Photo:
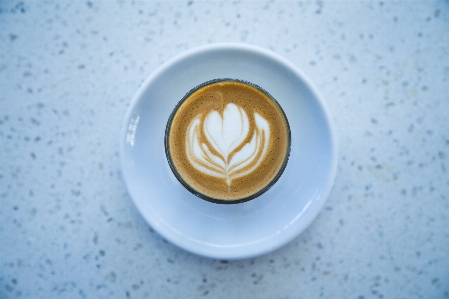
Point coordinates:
[(227, 141)]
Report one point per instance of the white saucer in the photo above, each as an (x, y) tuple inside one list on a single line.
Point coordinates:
[(229, 231)]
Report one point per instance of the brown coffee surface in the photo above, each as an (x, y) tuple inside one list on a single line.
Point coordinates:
[(217, 96)]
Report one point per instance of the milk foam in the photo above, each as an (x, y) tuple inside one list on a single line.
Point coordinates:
[(225, 134)]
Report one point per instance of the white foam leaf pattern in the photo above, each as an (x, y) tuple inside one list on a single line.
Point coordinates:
[(224, 135)]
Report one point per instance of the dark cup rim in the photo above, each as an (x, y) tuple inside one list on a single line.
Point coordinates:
[(193, 190)]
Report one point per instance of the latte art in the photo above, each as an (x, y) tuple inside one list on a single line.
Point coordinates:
[(227, 141), (225, 135)]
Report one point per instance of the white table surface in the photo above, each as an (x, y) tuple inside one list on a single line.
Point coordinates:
[(69, 229)]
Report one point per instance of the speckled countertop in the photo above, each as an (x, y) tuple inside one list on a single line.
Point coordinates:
[(69, 229)]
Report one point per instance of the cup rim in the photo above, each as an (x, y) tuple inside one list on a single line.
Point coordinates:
[(187, 185)]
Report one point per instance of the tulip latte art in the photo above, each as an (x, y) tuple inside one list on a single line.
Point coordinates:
[(227, 141), (226, 134)]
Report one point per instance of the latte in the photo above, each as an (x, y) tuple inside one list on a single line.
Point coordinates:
[(227, 141)]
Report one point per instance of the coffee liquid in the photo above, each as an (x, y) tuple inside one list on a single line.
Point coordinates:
[(228, 141)]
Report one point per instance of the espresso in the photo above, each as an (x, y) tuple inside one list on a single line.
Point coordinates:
[(227, 141)]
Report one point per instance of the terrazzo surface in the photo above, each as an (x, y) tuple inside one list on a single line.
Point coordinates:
[(68, 227)]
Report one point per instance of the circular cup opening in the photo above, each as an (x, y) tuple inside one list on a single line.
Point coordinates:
[(252, 194)]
